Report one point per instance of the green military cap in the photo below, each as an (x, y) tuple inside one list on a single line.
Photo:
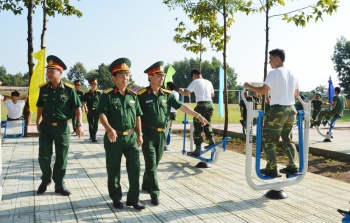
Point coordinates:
[(93, 81), (121, 64), (55, 62), (157, 67), (77, 82)]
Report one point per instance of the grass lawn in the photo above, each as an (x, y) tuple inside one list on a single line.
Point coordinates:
[(233, 114)]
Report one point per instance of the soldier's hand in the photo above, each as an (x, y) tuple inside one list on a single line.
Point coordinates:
[(87, 111), (79, 131), (203, 120), (112, 135), (37, 127), (139, 140)]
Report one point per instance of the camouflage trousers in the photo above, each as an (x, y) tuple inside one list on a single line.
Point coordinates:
[(278, 123), (328, 114), (206, 110)]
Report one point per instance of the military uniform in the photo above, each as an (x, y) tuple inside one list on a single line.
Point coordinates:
[(156, 113), (338, 110), (80, 95), (121, 112), (57, 107), (92, 99)]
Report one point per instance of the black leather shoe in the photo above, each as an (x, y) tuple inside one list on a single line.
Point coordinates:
[(42, 188), (93, 140), (289, 170), (192, 154), (118, 204), (270, 173), (136, 205), (155, 201), (63, 191)]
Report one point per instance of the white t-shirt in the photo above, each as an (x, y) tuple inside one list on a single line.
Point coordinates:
[(282, 85), (202, 89), (14, 110), (176, 94)]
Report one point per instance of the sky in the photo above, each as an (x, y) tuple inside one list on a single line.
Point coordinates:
[(143, 31)]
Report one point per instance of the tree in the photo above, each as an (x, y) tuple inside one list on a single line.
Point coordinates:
[(206, 11), (77, 72), (299, 16), (341, 59)]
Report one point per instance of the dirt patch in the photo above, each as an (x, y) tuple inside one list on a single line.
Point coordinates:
[(325, 166)]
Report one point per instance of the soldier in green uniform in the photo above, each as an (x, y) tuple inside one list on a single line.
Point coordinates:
[(90, 103), (338, 105), (156, 104), (55, 103), (120, 112), (279, 121), (80, 94)]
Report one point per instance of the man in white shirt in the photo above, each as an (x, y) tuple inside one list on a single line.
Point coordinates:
[(283, 87), (204, 91), (14, 107)]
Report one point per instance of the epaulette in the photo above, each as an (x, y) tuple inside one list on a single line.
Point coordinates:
[(69, 85), (167, 91), (42, 85), (141, 91), (132, 92), (108, 90)]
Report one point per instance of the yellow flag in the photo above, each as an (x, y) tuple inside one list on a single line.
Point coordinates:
[(37, 79)]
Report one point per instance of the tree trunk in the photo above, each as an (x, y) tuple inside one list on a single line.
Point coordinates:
[(225, 72), (44, 26), (266, 49), (26, 111)]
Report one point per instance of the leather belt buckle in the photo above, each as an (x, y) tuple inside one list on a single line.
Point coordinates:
[(54, 123), (160, 129), (125, 133)]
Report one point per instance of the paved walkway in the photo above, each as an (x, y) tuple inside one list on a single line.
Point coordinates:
[(188, 194)]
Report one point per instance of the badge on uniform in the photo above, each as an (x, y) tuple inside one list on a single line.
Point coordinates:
[(45, 95), (63, 96), (164, 101), (149, 101), (132, 102)]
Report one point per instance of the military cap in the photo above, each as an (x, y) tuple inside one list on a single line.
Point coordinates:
[(157, 67), (121, 64), (55, 62), (77, 82), (93, 81)]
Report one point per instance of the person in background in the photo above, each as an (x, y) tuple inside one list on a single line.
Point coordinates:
[(338, 105), (80, 94), (90, 104), (243, 110), (55, 102), (316, 103), (283, 87), (120, 112), (204, 92), (171, 86), (15, 105), (267, 103), (156, 104), (257, 100)]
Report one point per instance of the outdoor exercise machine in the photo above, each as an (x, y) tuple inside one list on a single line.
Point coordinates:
[(214, 149), (275, 187), (329, 135)]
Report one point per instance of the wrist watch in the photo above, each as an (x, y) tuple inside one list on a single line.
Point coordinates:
[(140, 134), (79, 124)]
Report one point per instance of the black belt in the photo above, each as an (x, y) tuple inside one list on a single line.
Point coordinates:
[(204, 102), (275, 106), (55, 123), (152, 127), (126, 132)]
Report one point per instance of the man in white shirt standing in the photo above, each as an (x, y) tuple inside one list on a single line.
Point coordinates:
[(283, 87), (14, 107), (204, 91)]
